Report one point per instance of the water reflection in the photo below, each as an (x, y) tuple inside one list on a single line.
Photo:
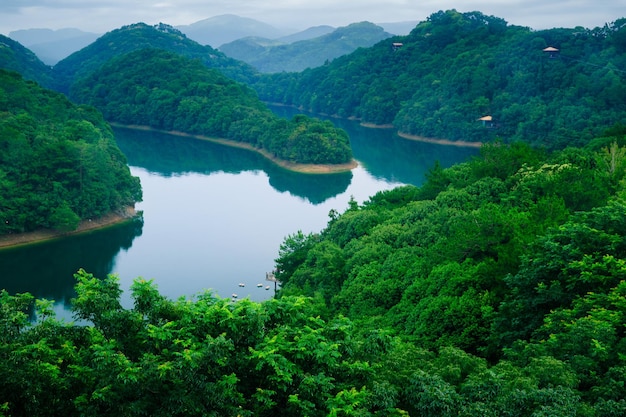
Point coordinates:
[(312, 187), (169, 155), (215, 216), (47, 269)]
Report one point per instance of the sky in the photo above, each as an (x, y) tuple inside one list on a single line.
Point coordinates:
[(101, 16)]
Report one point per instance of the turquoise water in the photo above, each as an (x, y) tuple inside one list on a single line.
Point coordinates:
[(214, 216)]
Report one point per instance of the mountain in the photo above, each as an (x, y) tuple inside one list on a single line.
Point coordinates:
[(139, 36), (268, 57), (218, 30), (53, 45), (29, 37), (16, 57), (167, 91)]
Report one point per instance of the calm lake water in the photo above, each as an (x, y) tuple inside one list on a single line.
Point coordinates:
[(215, 216)]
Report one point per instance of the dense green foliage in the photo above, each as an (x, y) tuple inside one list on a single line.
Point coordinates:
[(516, 257), (202, 357), (309, 53), (167, 91), (455, 68), (59, 162), (140, 36), (496, 289)]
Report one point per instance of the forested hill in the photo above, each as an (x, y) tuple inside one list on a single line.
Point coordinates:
[(516, 256), (167, 91), (16, 57), (455, 68), (107, 75), (309, 53), (138, 36), (59, 162), (496, 289)]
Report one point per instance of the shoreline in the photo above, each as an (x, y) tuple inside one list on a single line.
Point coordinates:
[(292, 166), (390, 126), (375, 126), (85, 226)]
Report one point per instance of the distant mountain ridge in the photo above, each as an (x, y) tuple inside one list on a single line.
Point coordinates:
[(221, 29), (310, 33), (52, 46), (29, 37), (271, 56)]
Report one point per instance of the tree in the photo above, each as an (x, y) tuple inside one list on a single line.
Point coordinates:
[(180, 93), (292, 253), (64, 219), (60, 163)]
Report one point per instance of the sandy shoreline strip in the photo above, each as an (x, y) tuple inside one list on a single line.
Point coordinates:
[(19, 239), (302, 168), (441, 141)]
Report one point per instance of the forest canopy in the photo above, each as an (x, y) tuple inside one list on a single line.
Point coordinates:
[(167, 91), (138, 36), (59, 162), (495, 289)]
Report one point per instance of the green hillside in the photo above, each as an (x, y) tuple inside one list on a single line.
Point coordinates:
[(139, 36), (166, 91), (496, 289), (59, 162), (269, 57), (15, 57), (455, 68)]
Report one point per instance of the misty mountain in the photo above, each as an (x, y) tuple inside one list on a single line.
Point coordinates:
[(219, 30), (269, 57), (29, 37), (51, 46), (16, 57), (310, 33)]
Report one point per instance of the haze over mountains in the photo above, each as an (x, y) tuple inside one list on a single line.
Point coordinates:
[(51, 46), (270, 56)]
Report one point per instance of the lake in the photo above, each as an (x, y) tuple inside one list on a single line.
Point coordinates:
[(215, 216)]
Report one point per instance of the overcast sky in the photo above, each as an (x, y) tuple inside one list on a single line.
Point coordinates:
[(104, 15)]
